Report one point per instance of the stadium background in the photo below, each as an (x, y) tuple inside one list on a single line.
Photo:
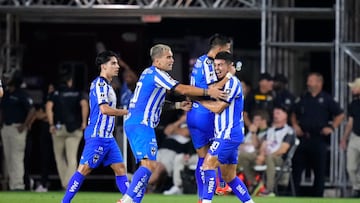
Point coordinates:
[(39, 42)]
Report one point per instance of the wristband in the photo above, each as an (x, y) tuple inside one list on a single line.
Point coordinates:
[(205, 92), (228, 75)]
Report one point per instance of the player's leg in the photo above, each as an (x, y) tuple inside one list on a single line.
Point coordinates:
[(91, 158), (210, 166), (228, 158), (115, 160), (75, 182), (143, 143)]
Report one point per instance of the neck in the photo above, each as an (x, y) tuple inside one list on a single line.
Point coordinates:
[(279, 124), (109, 79)]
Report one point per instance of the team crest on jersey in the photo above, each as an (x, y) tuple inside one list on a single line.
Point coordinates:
[(208, 61), (153, 151), (101, 84), (96, 158)]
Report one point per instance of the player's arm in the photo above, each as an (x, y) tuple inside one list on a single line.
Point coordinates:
[(215, 106), (189, 90), (107, 110), (222, 82)]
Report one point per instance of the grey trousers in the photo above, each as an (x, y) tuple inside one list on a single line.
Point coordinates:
[(66, 147)]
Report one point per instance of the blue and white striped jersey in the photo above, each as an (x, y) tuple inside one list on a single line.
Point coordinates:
[(202, 75), (100, 125), (149, 96), (229, 124)]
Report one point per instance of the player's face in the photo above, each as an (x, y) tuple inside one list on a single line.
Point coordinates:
[(221, 68), (166, 61), (112, 67)]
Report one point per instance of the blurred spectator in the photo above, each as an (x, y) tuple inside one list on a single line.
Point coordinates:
[(180, 161), (17, 110), (350, 140), (1, 89), (67, 111), (316, 115), (177, 141), (273, 151), (128, 86), (260, 98), (282, 95), (246, 86), (249, 149)]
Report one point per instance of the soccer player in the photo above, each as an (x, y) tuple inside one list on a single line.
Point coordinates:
[(202, 75), (100, 144), (229, 130), (144, 114)]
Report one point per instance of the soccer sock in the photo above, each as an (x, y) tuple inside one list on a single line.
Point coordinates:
[(139, 196), (199, 176), (122, 183), (240, 190), (210, 185), (139, 181), (221, 181), (73, 186)]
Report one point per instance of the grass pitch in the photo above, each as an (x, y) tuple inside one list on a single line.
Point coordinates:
[(108, 197)]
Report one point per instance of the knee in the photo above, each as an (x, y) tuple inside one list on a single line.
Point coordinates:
[(84, 169)]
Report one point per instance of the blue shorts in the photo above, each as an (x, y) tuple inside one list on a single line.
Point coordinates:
[(142, 140), (101, 150), (225, 150), (201, 127)]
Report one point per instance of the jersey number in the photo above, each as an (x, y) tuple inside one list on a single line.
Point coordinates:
[(214, 146), (136, 92)]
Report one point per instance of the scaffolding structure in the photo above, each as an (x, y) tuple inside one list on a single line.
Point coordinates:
[(279, 50)]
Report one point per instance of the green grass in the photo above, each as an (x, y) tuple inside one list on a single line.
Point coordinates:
[(107, 197)]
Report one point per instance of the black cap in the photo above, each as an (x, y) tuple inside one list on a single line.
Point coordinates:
[(281, 78), (265, 76)]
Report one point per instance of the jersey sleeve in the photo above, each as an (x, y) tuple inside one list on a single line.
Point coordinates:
[(209, 72), (163, 79), (101, 92), (232, 89)]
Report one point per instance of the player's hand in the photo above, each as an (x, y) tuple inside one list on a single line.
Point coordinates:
[(185, 105), (123, 112), (216, 93)]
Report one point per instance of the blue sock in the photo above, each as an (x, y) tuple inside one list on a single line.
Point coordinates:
[(139, 196), (199, 176), (239, 189), (73, 186), (122, 183), (210, 184), (221, 181), (139, 181)]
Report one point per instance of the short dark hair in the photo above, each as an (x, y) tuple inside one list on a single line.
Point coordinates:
[(104, 57), (224, 55), (219, 40), (262, 113)]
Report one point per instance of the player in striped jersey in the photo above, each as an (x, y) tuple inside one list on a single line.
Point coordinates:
[(229, 134), (144, 114), (202, 75), (100, 144)]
